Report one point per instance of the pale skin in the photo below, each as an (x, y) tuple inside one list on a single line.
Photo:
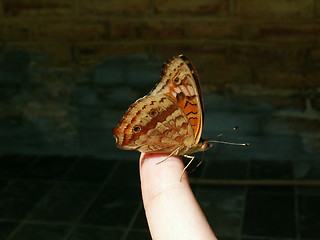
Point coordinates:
[(172, 210)]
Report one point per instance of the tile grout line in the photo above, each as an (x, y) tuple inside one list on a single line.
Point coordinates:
[(25, 219), (245, 199), (133, 219), (296, 211), (77, 221)]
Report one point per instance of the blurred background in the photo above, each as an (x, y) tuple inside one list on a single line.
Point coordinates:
[(70, 69)]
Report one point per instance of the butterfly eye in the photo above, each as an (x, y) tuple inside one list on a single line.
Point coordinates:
[(136, 129), (177, 80), (153, 112)]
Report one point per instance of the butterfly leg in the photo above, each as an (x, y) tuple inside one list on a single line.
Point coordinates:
[(185, 168), (174, 152), (196, 166)]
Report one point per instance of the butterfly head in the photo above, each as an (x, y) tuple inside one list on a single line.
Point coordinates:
[(126, 133)]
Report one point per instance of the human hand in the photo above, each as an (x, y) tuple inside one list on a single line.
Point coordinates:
[(171, 208)]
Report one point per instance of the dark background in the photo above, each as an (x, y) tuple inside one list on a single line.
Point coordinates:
[(69, 70)]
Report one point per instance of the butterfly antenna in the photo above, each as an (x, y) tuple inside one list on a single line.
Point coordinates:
[(228, 132), (229, 143)]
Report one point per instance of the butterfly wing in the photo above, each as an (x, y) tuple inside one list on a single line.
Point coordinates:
[(154, 124), (180, 81)]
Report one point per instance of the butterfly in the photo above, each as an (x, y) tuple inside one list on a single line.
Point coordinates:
[(170, 118)]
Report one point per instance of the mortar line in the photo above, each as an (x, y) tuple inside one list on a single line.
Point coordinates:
[(132, 221)]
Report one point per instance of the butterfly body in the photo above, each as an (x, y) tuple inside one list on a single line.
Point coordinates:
[(169, 119)]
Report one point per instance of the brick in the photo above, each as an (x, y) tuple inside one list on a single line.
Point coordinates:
[(143, 30), (312, 143), (124, 30), (315, 55), (197, 51), (303, 32), (58, 53), (214, 30), (216, 77), (209, 60), (13, 31), (317, 8), (1, 33), (38, 8), (296, 77), (114, 6), (212, 7), (302, 125), (274, 8), (268, 54), (143, 75), (89, 52), (75, 30), (298, 32), (315, 102), (161, 31), (1, 10), (294, 102)]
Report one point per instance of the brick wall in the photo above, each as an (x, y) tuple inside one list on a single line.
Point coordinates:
[(55, 55)]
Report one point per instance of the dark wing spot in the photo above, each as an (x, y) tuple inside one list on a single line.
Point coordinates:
[(136, 129), (177, 81), (153, 112), (191, 113), (187, 102), (180, 96)]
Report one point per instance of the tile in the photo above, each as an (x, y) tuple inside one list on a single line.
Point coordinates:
[(6, 228), (274, 170), (41, 231), (309, 169), (223, 207), (309, 212), (94, 233), (286, 190), (262, 238), (271, 170), (141, 220), (115, 206), (127, 172), (89, 169), (269, 215), (266, 238), (227, 169), (65, 203), (15, 165), (308, 190), (21, 197), (138, 235), (50, 168), (5, 184)]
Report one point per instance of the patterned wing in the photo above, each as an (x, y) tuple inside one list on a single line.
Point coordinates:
[(154, 124), (180, 81)]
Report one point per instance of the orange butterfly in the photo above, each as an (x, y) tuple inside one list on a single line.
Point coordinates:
[(169, 119)]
